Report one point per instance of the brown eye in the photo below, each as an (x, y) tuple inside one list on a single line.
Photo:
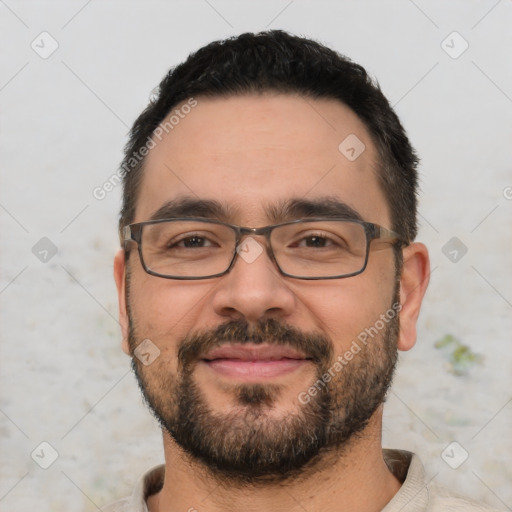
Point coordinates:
[(192, 242)]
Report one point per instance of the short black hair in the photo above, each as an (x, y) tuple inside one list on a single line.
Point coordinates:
[(276, 61)]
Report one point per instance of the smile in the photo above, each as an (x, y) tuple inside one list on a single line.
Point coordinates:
[(255, 362)]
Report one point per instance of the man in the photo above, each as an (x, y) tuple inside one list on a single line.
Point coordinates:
[(268, 277)]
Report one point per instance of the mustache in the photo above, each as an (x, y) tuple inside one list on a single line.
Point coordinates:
[(313, 345)]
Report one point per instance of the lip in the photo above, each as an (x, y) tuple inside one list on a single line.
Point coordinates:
[(254, 362)]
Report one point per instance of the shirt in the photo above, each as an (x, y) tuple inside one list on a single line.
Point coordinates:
[(417, 494)]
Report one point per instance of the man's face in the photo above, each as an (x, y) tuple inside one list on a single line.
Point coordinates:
[(246, 410)]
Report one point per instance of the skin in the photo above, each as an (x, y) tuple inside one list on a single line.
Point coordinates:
[(247, 152)]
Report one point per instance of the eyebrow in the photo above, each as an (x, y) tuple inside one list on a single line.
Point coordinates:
[(194, 207), (300, 208), (285, 210)]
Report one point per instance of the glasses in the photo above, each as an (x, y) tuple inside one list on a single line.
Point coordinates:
[(198, 248)]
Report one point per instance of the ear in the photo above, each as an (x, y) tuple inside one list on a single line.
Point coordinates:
[(413, 284), (120, 278)]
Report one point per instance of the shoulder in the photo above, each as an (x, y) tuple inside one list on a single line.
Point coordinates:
[(441, 498), (421, 494), (149, 483)]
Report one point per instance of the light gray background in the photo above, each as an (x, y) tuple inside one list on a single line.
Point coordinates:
[(63, 125)]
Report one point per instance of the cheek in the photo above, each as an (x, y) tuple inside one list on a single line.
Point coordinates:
[(344, 308), (166, 309)]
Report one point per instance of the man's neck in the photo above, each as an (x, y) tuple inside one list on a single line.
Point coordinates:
[(359, 479)]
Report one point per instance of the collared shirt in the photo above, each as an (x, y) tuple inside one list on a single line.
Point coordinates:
[(417, 494)]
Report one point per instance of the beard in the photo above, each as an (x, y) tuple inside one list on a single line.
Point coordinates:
[(248, 445)]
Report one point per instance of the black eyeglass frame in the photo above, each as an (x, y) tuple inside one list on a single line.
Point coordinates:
[(133, 233)]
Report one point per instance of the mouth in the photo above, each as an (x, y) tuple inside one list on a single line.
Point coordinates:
[(254, 363)]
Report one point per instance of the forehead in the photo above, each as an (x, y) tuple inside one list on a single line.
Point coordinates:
[(254, 153)]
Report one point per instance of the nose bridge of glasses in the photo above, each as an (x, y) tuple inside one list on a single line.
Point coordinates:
[(242, 246), (254, 231), (244, 232)]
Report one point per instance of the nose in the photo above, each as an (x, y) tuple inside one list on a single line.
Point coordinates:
[(254, 289)]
